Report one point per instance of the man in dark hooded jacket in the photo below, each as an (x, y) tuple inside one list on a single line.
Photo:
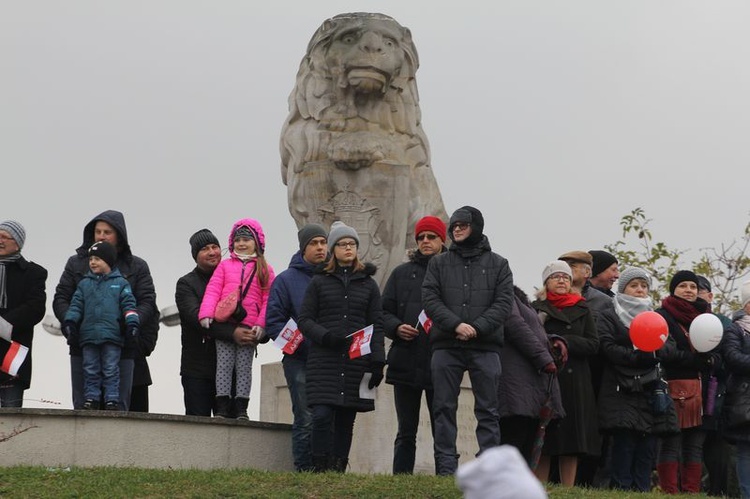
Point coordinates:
[(135, 376), (468, 294)]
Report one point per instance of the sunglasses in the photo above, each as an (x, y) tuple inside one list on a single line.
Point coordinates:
[(429, 237), (460, 226)]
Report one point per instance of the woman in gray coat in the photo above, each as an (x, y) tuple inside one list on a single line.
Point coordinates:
[(528, 367)]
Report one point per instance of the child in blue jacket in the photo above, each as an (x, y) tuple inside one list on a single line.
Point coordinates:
[(102, 299)]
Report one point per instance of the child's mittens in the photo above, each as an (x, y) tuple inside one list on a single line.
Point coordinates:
[(206, 322)]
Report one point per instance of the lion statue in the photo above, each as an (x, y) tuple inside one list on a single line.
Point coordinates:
[(353, 147)]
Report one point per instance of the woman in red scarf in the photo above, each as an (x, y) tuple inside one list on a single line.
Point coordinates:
[(566, 314), (683, 373)]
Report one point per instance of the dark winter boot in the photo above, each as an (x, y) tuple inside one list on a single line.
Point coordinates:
[(690, 477), (223, 407), (320, 463), (240, 408), (339, 464), (668, 477), (91, 405)]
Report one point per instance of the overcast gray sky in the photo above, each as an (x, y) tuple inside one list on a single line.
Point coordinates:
[(553, 118)]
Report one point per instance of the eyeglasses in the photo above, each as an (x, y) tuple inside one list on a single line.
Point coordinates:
[(430, 237), (348, 245), (560, 277), (460, 226)]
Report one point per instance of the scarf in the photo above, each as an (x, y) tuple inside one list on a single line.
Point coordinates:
[(3, 262), (627, 307), (682, 310), (563, 301), (744, 323)]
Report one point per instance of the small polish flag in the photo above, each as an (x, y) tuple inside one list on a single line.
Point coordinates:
[(425, 321), (360, 342), (290, 338), (13, 357)]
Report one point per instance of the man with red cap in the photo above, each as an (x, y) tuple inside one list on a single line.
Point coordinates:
[(409, 356)]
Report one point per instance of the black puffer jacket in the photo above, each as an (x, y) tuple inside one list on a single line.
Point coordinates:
[(132, 268), (408, 361), (736, 352), (620, 409), (340, 303), (473, 286)]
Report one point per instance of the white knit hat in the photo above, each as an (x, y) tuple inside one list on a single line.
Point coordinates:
[(556, 266), (745, 293)]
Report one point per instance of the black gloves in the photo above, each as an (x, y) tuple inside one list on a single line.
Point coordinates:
[(705, 360), (131, 335), (70, 331), (377, 375), (331, 340)]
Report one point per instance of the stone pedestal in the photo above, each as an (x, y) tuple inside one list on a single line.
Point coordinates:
[(374, 432)]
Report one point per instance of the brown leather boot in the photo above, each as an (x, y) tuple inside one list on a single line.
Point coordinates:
[(668, 477)]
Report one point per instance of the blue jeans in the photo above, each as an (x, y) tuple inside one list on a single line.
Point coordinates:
[(199, 396), (11, 394), (76, 382), (743, 468), (408, 402), (101, 372), (448, 367), (296, 379), (633, 457)]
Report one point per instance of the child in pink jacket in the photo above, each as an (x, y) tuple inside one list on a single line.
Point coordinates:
[(246, 264)]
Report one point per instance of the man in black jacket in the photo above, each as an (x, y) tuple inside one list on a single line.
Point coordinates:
[(135, 376), (198, 361), (409, 355), (22, 304), (468, 294)]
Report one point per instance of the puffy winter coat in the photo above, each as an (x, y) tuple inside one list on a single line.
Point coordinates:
[(408, 361), (627, 410), (138, 274), (525, 353), (285, 300), (736, 353), (340, 303), (101, 303), (472, 287)]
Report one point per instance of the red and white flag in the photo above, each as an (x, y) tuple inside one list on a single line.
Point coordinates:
[(425, 321), (14, 354), (360, 342), (290, 338)]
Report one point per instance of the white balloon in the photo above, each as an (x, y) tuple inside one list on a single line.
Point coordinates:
[(705, 332)]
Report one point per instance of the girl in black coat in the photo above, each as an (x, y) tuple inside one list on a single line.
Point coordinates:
[(625, 412), (341, 299)]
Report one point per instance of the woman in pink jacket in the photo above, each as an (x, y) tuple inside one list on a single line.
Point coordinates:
[(245, 272)]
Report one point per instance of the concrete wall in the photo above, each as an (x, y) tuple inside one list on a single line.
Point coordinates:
[(61, 438), (374, 432)]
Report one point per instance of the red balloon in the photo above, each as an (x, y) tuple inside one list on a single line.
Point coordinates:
[(649, 331)]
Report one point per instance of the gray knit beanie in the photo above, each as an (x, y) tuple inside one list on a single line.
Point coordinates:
[(16, 231), (340, 230), (308, 233), (629, 274)]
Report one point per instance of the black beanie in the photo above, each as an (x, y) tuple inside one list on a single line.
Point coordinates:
[(602, 261), (469, 215), (201, 239), (105, 251), (682, 276), (308, 233)]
